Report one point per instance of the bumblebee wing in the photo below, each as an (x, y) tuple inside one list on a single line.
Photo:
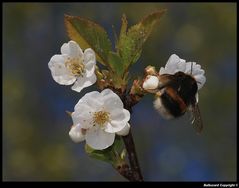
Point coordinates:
[(196, 118)]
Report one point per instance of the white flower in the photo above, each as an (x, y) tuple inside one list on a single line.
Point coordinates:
[(97, 117), (73, 66), (175, 64), (151, 82)]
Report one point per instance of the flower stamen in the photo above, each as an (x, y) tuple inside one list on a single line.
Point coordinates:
[(76, 66), (101, 117)]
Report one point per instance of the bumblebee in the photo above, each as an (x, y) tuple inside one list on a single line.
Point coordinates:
[(177, 94)]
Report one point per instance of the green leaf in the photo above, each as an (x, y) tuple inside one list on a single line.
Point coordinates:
[(89, 35), (131, 42), (118, 144), (124, 25), (116, 64), (110, 155), (103, 155), (122, 31)]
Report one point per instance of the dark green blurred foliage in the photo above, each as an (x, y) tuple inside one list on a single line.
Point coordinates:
[(36, 145)]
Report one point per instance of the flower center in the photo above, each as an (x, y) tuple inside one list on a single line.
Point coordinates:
[(101, 117), (75, 65)]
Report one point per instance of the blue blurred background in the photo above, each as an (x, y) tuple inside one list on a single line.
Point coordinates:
[(36, 145)]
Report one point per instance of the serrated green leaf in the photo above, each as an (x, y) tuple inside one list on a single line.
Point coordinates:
[(130, 44), (124, 25), (116, 64), (122, 31), (89, 35)]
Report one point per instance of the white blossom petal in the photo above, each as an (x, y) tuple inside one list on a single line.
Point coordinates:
[(200, 79), (111, 100), (72, 49), (90, 68), (172, 62), (162, 71), (98, 138), (173, 65), (89, 61), (190, 68), (182, 60), (76, 133), (117, 123), (118, 120), (124, 131), (120, 115), (181, 66), (83, 82), (93, 100), (111, 128), (89, 56), (114, 126), (193, 69), (198, 72), (108, 92), (151, 82), (83, 116), (59, 71)]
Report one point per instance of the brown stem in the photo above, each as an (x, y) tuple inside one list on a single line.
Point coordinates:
[(133, 173), (133, 160), (125, 171)]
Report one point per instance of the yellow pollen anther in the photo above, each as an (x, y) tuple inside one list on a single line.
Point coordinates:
[(76, 66), (101, 117)]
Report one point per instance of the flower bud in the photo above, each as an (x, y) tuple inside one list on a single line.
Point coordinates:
[(151, 82), (150, 70), (124, 131), (76, 133)]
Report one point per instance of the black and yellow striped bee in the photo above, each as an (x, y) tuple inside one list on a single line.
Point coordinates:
[(176, 94)]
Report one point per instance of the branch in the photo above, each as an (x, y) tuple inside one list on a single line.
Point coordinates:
[(133, 173), (130, 101), (125, 171), (133, 160)]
